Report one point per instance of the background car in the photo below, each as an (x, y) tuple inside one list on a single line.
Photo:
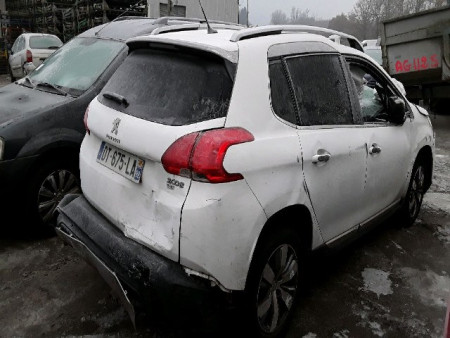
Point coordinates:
[(29, 51), (374, 51), (192, 188), (41, 115)]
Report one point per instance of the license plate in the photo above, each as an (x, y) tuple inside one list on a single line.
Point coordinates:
[(121, 162)]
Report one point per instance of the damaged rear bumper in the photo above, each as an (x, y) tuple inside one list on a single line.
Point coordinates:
[(132, 270)]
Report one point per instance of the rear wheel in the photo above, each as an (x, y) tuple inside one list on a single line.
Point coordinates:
[(414, 197), (274, 283), (51, 183)]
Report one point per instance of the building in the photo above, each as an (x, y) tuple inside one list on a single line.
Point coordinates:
[(222, 10)]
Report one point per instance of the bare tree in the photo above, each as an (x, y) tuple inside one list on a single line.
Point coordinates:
[(279, 18)]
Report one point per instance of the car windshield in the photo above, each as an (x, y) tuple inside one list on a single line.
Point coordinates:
[(171, 88), (78, 64), (45, 42), (374, 53)]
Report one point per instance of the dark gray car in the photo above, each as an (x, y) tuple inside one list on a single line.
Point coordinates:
[(41, 115)]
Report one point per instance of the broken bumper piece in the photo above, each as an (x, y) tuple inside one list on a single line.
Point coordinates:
[(134, 272)]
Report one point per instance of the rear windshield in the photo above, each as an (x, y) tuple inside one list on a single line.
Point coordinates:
[(45, 42), (170, 87)]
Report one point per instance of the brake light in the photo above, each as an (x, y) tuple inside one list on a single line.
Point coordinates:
[(85, 121), (29, 56), (200, 155)]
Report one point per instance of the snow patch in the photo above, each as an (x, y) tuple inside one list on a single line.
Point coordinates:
[(432, 288), (377, 281), (376, 329), (310, 335), (341, 334), (437, 200)]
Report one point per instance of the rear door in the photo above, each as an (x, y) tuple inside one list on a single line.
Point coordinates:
[(42, 47), (334, 156)]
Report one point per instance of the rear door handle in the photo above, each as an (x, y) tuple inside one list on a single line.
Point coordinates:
[(321, 157), (374, 149)]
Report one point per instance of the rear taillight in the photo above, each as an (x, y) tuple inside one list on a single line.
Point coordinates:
[(200, 155), (85, 120), (29, 56)]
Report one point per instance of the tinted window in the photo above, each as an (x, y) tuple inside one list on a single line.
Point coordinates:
[(78, 64), (282, 100), (321, 90), (172, 88), (45, 42)]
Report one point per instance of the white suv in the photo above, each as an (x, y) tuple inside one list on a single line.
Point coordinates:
[(215, 162)]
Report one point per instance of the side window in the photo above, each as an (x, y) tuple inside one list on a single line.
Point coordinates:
[(321, 89), (21, 44), (15, 46), (372, 93), (282, 99)]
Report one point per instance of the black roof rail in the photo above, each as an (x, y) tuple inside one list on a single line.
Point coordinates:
[(130, 17), (164, 20), (192, 26)]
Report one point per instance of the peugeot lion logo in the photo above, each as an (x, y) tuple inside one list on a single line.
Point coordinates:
[(115, 127)]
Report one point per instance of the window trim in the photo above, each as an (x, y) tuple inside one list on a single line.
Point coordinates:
[(355, 117)]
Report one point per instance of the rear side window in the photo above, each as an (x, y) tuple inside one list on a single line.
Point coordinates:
[(45, 42), (281, 95), (321, 89), (171, 88)]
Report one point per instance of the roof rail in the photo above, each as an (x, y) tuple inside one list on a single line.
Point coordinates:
[(278, 29), (129, 17), (175, 28), (164, 20), (191, 26)]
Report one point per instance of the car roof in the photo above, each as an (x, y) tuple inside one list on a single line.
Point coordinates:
[(38, 34), (127, 27), (226, 42)]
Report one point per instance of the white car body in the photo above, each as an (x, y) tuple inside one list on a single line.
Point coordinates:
[(216, 236), (40, 46), (218, 160)]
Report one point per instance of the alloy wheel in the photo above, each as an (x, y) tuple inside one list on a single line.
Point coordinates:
[(52, 190), (416, 193), (277, 288)]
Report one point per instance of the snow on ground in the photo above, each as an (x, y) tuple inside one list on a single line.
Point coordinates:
[(377, 281)]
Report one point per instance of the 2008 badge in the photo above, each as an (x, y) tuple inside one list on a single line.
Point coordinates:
[(172, 183)]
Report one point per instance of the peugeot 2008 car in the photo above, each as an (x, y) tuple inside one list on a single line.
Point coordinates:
[(41, 115), (213, 164)]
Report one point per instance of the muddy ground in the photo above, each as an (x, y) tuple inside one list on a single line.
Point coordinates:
[(393, 282)]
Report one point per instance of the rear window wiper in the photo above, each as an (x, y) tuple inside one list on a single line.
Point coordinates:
[(116, 97), (49, 85)]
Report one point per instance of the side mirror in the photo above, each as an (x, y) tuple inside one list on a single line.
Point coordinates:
[(396, 110)]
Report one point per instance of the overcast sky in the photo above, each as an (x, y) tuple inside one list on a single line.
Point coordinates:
[(260, 11)]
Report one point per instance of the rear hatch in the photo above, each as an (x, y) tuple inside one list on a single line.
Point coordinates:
[(153, 99), (42, 46)]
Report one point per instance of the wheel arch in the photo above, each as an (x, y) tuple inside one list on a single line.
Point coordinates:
[(425, 156), (303, 226)]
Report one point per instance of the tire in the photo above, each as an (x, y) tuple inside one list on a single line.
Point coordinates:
[(414, 196), (50, 183), (274, 282)]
